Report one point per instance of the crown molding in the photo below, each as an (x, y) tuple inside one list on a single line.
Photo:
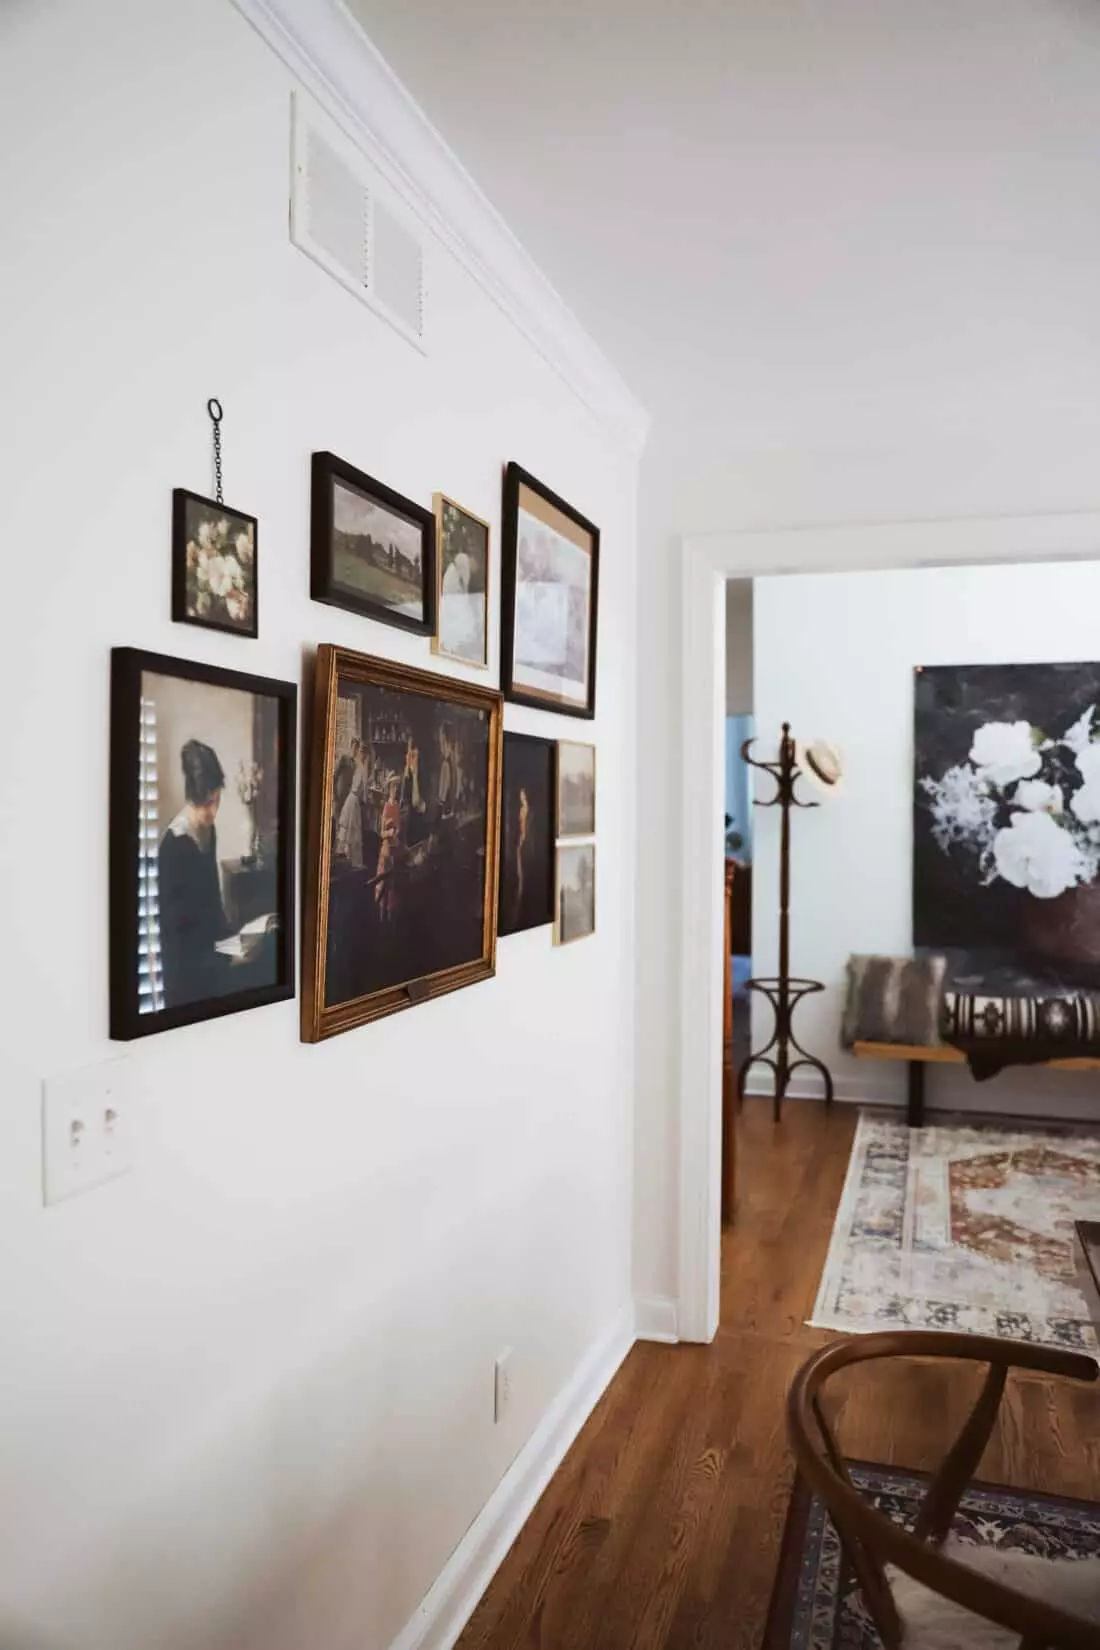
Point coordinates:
[(330, 54)]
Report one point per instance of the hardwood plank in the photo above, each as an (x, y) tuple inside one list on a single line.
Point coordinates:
[(661, 1530)]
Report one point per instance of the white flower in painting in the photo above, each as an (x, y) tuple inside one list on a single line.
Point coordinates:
[(222, 530), (236, 575), (1077, 737), (962, 807), (218, 575), (243, 544), (1086, 802), (205, 534), (236, 605), (1004, 751), (1035, 853), (1038, 797)]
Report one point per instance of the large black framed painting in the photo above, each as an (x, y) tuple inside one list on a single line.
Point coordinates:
[(201, 842), (550, 589), (527, 791), (401, 897), (1006, 823), (371, 550)]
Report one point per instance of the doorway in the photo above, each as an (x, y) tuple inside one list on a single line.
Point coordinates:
[(708, 563)]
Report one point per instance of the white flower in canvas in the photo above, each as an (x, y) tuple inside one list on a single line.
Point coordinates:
[(1078, 736), (243, 543), (218, 576), (1004, 751), (962, 807), (1037, 797), (1086, 801), (1036, 853), (205, 534)]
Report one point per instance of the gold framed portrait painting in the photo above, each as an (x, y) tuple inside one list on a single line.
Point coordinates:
[(401, 891)]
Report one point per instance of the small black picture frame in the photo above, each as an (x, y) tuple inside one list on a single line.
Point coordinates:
[(215, 565), (182, 736), (526, 897), (548, 660), (372, 551)]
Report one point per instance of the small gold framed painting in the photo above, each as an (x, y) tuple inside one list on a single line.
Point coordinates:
[(575, 892), (462, 603)]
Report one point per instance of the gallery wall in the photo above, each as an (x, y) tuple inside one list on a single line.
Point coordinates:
[(248, 1388), (835, 657)]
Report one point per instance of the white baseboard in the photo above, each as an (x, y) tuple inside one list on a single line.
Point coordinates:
[(451, 1600), (655, 1318)]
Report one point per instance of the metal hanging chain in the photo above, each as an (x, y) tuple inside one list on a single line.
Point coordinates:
[(214, 408)]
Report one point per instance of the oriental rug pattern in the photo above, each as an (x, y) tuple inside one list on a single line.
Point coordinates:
[(963, 1228)]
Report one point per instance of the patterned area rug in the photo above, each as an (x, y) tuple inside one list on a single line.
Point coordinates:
[(962, 1228), (816, 1604)]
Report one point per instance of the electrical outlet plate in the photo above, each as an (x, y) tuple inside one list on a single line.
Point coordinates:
[(502, 1383), (85, 1129)]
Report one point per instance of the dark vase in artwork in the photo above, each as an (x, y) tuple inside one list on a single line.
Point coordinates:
[(1066, 929)]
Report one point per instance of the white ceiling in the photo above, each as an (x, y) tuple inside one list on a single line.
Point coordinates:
[(776, 213)]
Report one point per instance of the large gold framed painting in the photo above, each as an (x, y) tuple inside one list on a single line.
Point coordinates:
[(401, 885)]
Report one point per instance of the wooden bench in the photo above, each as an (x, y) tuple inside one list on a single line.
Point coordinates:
[(942, 1054)]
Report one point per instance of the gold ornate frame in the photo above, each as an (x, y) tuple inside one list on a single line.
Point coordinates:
[(336, 664)]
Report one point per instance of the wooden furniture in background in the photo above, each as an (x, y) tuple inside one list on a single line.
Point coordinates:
[(1087, 1252), (942, 1054), (873, 1540), (729, 1119)]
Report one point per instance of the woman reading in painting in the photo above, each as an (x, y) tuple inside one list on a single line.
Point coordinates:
[(192, 918)]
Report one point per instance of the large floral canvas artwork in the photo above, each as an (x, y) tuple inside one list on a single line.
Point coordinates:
[(1006, 840)]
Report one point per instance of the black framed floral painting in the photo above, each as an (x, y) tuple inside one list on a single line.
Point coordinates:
[(215, 565), (201, 842), (1006, 823)]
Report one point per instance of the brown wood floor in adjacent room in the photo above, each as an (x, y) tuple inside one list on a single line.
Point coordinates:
[(661, 1529)]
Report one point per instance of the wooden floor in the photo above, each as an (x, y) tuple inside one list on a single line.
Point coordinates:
[(662, 1526)]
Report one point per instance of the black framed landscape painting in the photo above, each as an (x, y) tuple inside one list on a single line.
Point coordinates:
[(371, 550), (202, 849), (1006, 823), (401, 893), (527, 833)]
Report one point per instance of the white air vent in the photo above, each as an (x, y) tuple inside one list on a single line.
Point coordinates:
[(347, 219)]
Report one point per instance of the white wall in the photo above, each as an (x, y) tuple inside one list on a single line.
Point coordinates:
[(247, 1391), (738, 647), (835, 657)]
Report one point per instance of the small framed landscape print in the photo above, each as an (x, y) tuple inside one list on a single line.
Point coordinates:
[(202, 846), (550, 577), (371, 550), (462, 607), (401, 899), (576, 789), (575, 901), (215, 566), (526, 833)]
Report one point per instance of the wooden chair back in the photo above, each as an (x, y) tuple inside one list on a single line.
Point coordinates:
[(873, 1540)]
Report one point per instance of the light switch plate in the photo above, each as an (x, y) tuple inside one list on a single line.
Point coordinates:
[(85, 1129)]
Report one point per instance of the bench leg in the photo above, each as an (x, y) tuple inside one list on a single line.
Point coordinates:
[(915, 1116)]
